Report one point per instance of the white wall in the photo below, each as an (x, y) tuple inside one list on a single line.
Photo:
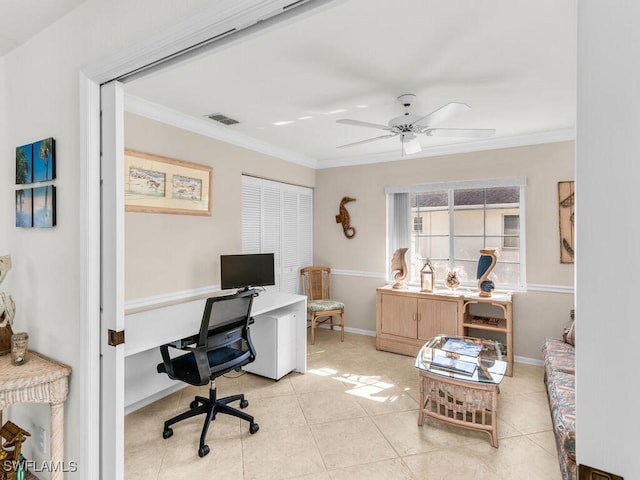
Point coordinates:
[(608, 236), (39, 93), (7, 167)]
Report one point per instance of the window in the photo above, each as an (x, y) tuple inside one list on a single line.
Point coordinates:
[(511, 231), (451, 223)]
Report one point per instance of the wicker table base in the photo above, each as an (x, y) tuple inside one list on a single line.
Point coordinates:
[(459, 402), (40, 380)]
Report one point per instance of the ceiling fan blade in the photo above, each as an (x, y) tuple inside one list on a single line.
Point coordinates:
[(441, 114), (367, 140), (461, 132), (358, 123)]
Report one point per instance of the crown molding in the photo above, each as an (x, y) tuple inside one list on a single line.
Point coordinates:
[(495, 143), (153, 111)]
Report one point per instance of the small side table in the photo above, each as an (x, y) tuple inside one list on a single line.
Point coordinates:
[(38, 380), (469, 401)]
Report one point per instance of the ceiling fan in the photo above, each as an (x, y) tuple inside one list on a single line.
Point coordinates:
[(407, 126)]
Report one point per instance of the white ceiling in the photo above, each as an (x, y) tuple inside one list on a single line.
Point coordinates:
[(512, 61), (22, 19)]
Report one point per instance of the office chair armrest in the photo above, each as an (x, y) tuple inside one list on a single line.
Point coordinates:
[(202, 362), (166, 359), (182, 344), (252, 349)]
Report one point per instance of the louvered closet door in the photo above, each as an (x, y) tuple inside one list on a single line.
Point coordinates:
[(278, 218)]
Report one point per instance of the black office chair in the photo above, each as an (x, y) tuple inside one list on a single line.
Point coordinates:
[(222, 345)]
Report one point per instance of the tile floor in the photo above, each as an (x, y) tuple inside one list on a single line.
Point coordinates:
[(352, 415)]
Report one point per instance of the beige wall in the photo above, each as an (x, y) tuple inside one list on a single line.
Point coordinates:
[(536, 314), (169, 253)]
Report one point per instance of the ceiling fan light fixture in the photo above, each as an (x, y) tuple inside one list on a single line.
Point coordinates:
[(410, 144)]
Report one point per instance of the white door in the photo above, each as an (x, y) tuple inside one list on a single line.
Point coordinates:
[(112, 298)]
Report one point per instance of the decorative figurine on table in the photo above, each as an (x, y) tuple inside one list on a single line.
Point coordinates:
[(7, 309), (488, 259), (11, 458), (399, 265), (452, 281), (427, 277)]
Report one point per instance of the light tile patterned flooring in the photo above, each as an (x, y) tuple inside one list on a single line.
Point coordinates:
[(353, 415)]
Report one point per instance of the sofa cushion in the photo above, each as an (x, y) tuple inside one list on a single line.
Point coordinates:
[(558, 356), (562, 400)]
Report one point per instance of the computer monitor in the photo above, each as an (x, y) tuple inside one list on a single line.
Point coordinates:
[(246, 270)]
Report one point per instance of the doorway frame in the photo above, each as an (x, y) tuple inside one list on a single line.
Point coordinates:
[(211, 23)]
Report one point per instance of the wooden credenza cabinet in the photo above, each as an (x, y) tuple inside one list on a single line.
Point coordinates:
[(406, 319)]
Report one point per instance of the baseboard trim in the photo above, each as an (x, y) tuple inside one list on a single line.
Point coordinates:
[(153, 397), (357, 331), (528, 361)]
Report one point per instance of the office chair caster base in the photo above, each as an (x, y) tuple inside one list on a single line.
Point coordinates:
[(244, 404), (193, 404), (168, 432), (203, 450), (253, 428)]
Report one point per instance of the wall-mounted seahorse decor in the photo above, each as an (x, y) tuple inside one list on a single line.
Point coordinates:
[(344, 219)]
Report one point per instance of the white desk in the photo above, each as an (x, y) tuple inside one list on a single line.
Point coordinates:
[(145, 331)]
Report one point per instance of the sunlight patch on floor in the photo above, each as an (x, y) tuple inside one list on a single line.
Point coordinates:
[(323, 372)]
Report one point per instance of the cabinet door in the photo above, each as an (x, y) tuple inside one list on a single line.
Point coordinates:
[(398, 316), (436, 316)]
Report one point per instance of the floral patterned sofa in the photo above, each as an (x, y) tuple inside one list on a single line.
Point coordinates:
[(559, 377)]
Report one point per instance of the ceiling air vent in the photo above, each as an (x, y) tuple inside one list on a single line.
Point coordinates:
[(223, 119)]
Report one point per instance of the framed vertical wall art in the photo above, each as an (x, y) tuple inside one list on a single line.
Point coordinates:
[(566, 206), (155, 184), (36, 163)]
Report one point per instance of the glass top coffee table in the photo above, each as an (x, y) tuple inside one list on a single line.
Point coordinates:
[(459, 382)]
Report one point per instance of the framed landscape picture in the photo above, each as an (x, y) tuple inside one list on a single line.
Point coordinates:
[(44, 160), (155, 184), (44, 206), (24, 208), (24, 164)]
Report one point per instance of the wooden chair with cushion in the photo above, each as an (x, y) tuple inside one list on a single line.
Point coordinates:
[(321, 308)]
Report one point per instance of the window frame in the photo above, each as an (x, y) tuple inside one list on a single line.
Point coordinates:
[(506, 236), (450, 187)]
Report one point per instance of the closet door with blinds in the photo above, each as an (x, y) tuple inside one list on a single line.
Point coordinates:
[(278, 218)]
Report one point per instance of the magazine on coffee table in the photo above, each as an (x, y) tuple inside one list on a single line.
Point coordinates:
[(459, 346), (454, 365)]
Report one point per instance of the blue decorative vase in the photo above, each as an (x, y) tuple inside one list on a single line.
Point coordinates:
[(486, 263)]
